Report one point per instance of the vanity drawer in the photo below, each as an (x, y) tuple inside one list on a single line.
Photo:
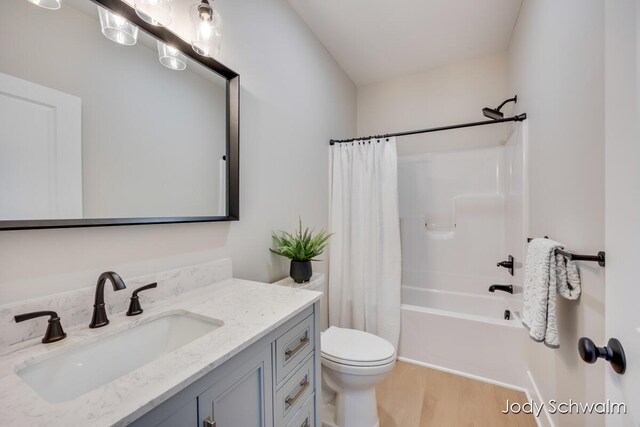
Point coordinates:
[(306, 417), (294, 392), (293, 347)]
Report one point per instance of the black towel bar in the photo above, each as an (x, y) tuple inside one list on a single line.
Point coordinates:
[(599, 258)]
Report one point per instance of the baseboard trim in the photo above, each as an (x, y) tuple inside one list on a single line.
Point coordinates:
[(463, 374), (537, 397), (530, 399)]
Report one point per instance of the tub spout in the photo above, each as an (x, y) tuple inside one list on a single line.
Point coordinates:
[(503, 288)]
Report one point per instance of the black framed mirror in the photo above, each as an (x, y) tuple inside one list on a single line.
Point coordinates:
[(95, 133)]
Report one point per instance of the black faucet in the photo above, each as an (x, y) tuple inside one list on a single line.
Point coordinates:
[(134, 305), (99, 318), (54, 328), (503, 288)]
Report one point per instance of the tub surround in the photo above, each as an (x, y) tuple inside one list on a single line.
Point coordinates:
[(249, 310)]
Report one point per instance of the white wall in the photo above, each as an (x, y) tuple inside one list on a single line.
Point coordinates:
[(442, 96), (294, 98), (556, 66)]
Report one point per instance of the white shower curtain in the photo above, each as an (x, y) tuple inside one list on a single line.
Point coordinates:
[(364, 260)]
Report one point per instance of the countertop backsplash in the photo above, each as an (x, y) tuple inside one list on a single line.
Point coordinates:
[(76, 307)]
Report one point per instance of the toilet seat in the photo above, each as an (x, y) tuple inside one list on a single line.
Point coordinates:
[(357, 349), (366, 371)]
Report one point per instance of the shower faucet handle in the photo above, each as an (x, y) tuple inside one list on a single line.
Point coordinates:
[(509, 264)]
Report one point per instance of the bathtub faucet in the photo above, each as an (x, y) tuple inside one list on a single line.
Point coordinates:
[(503, 288)]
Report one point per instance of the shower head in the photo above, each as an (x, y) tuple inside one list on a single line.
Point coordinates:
[(492, 113), (495, 113)]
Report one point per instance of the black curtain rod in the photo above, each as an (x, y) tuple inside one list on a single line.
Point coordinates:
[(518, 118)]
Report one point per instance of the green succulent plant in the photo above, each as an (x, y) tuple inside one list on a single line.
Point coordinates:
[(300, 245)]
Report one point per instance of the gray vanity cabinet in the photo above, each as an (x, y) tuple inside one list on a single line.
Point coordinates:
[(241, 399), (272, 383), (185, 416)]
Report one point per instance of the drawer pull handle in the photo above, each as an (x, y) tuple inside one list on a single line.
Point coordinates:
[(289, 353), (208, 423), (290, 401)]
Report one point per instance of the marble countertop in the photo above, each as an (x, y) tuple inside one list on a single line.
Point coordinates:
[(316, 282), (249, 310)]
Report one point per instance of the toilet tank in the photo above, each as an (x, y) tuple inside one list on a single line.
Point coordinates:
[(318, 283)]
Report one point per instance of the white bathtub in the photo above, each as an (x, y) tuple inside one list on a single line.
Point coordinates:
[(464, 334)]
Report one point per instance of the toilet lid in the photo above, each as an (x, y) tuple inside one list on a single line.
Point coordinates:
[(356, 348)]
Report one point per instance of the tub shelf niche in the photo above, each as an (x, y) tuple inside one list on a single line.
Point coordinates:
[(437, 231), (440, 231)]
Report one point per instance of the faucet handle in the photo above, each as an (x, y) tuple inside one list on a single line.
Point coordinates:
[(509, 264), (134, 305), (54, 328)]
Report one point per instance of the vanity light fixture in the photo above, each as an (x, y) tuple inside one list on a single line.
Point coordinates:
[(116, 28), (47, 4), (155, 12), (207, 28), (171, 57)]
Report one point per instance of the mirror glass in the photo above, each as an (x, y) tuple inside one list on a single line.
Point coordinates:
[(93, 129)]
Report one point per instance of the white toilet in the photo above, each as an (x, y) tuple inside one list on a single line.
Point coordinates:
[(353, 362)]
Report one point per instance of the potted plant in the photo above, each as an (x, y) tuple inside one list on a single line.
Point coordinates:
[(301, 247)]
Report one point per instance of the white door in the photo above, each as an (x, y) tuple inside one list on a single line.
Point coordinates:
[(40, 152), (622, 162)]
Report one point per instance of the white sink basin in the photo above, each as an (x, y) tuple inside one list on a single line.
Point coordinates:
[(73, 373)]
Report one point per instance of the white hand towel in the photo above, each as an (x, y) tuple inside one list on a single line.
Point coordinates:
[(547, 274)]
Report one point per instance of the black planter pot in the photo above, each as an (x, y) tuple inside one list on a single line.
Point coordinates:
[(300, 271)]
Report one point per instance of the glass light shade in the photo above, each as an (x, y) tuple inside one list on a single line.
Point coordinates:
[(207, 29), (47, 4), (171, 57), (155, 12), (116, 28)]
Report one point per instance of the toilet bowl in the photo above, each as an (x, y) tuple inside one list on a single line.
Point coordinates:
[(353, 362)]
